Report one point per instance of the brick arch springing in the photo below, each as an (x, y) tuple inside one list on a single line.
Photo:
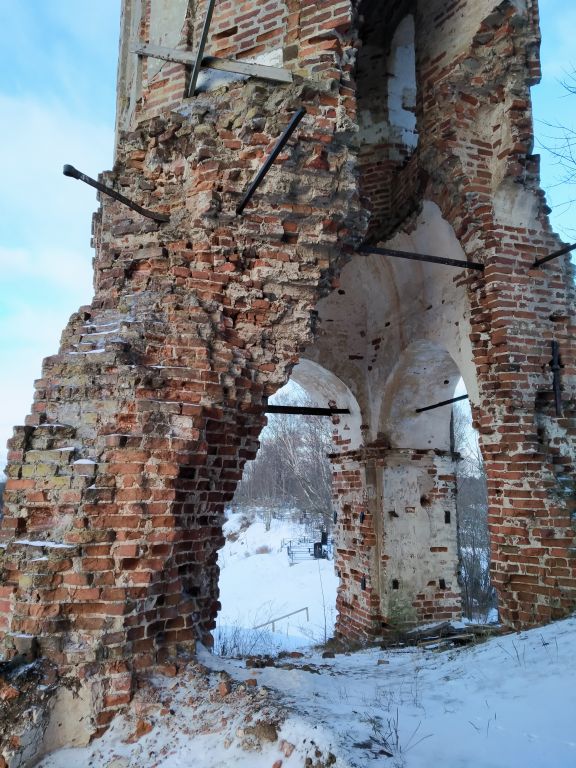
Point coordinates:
[(487, 188)]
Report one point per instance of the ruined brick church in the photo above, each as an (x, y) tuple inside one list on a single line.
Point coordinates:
[(397, 244)]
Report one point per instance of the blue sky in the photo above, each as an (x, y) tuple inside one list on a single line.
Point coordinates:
[(57, 100)]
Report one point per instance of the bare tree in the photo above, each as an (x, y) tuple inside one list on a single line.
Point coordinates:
[(472, 504), (560, 144), (292, 468)]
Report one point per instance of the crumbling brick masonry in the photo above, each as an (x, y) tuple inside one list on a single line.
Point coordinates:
[(417, 137)]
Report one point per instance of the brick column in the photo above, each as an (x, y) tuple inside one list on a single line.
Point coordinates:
[(488, 189), (396, 539)]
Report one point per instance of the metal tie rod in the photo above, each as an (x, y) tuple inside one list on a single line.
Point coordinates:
[(280, 144), (201, 46), (444, 402), (69, 170), (421, 257), (555, 255), (296, 410)]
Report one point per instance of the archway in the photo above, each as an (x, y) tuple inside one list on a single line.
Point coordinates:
[(278, 581)]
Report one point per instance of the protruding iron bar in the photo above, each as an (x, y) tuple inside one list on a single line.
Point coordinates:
[(556, 365), (280, 144), (555, 255), (421, 257), (201, 46), (444, 402), (297, 410), (69, 170)]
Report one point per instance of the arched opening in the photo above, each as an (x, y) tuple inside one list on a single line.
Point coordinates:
[(278, 581), (479, 601), (386, 78), (435, 532)]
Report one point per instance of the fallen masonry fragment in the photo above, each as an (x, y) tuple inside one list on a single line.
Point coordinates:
[(416, 138)]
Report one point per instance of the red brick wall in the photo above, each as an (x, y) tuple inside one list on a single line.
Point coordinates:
[(158, 386), (161, 380), (516, 312)]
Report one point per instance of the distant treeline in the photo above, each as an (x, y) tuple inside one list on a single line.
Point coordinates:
[(292, 468)]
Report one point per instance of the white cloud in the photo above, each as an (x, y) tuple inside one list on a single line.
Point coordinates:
[(48, 267), (36, 140), (45, 230)]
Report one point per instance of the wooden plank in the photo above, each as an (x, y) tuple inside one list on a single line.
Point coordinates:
[(260, 71), (166, 54), (263, 72)]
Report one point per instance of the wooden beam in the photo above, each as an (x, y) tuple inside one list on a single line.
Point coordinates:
[(178, 56), (260, 71)]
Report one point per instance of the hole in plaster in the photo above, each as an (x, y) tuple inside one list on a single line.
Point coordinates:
[(395, 584), (442, 583), (425, 500), (447, 517)]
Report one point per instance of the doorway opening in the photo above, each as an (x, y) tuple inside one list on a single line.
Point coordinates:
[(278, 583)]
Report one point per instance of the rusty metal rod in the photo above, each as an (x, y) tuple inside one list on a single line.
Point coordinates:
[(297, 410), (444, 402), (69, 170), (201, 46), (421, 257), (556, 366), (280, 144), (555, 255)]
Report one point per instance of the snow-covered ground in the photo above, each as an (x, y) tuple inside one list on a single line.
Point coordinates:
[(506, 703), (258, 584)]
